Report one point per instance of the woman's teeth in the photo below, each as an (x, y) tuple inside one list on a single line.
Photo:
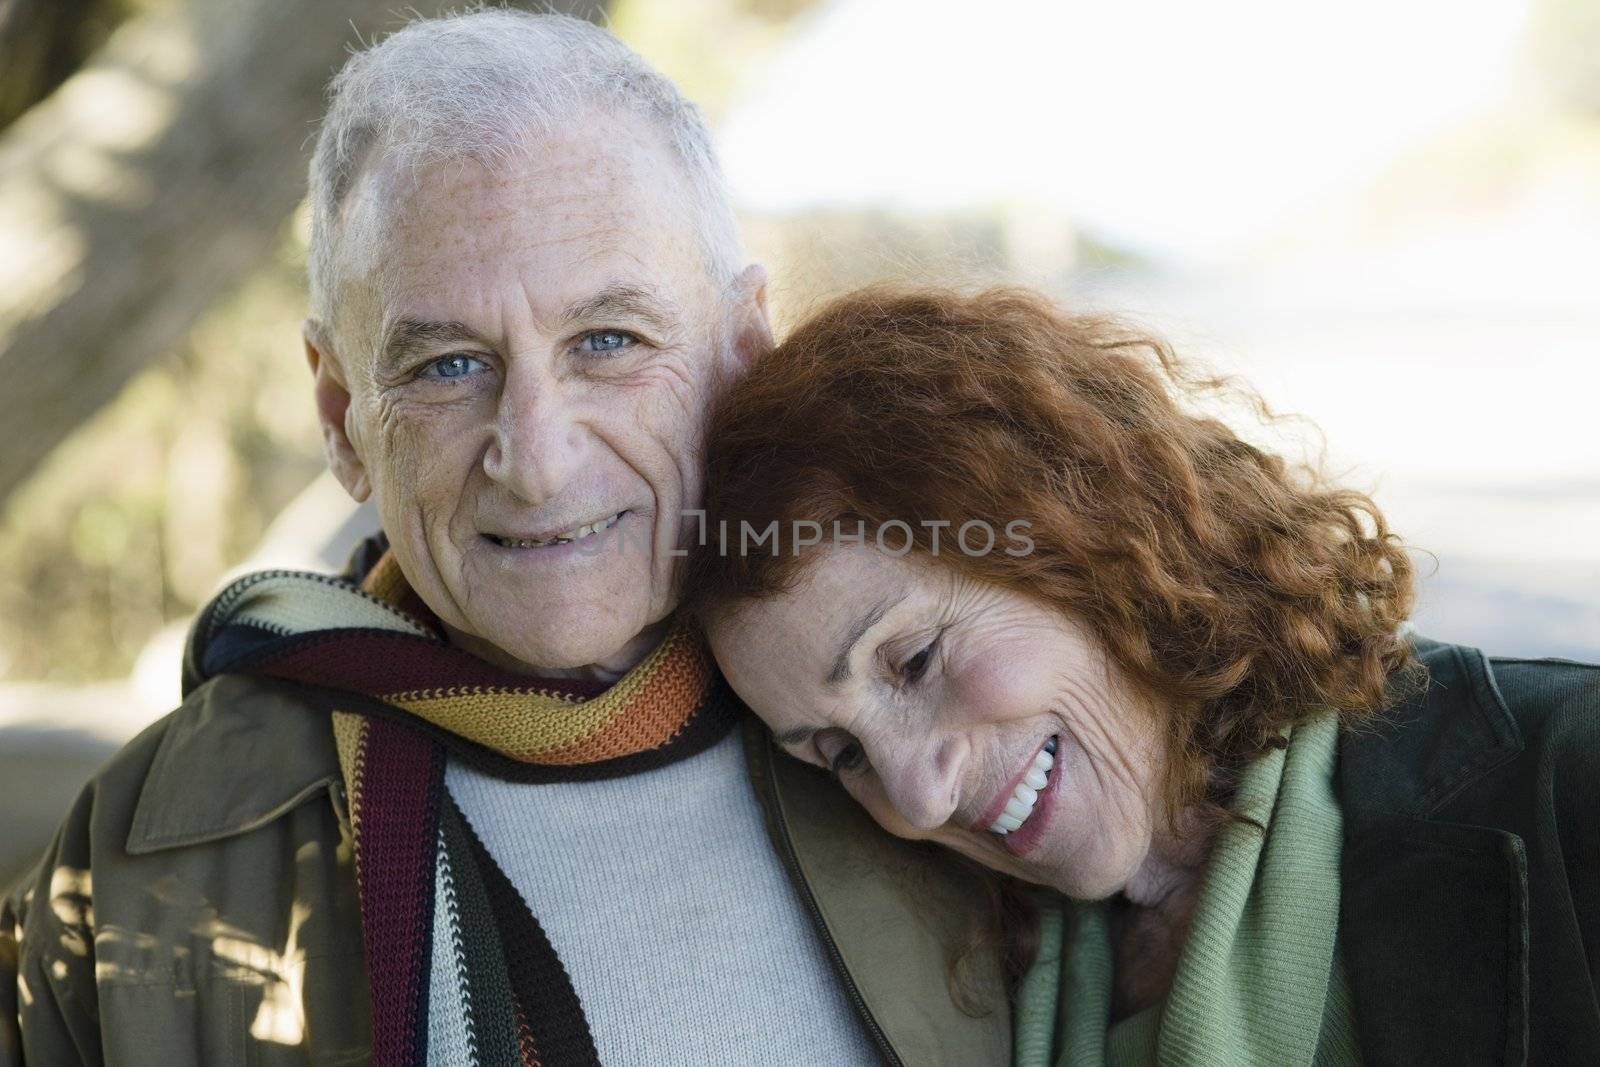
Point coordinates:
[(1026, 795), (560, 538)]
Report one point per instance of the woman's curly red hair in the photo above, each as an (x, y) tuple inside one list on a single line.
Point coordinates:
[(1245, 592)]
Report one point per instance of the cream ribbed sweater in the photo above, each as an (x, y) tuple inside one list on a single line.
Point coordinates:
[(672, 913)]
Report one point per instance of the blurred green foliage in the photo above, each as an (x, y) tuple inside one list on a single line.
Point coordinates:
[(131, 522)]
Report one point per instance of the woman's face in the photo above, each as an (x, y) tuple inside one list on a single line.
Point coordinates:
[(939, 700)]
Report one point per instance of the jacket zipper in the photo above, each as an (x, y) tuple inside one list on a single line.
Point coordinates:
[(791, 862)]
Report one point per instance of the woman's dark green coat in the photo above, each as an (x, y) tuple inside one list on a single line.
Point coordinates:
[(1470, 913)]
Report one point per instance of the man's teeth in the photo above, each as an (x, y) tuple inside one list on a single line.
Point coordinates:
[(561, 538), (1026, 795)]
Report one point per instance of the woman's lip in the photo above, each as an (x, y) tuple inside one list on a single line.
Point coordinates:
[(1000, 802), (1022, 840)]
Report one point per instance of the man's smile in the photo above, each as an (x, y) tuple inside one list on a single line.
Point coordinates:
[(546, 539)]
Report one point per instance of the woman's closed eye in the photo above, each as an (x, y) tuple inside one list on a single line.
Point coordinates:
[(842, 753), (915, 667)]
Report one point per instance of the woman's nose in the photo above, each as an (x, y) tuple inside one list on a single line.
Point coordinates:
[(922, 780)]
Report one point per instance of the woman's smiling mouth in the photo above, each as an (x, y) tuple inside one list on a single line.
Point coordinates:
[(1025, 794), (1020, 819)]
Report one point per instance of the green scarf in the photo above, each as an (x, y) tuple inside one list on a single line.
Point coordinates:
[(1259, 980)]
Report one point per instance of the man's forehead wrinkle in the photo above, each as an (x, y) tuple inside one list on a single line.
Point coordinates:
[(575, 168), (450, 237)]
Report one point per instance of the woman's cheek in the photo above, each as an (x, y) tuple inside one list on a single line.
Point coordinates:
[(997, 686)]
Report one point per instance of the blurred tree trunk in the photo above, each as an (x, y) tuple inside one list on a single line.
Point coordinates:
[(147, 187), (44, 41)]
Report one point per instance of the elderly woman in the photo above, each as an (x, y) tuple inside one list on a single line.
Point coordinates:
[(988, 563)]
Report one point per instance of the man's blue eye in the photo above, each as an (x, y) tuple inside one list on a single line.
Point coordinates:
[(606, 341), (457, 366)]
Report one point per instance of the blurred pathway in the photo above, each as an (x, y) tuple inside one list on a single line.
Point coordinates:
[(1464, 403)]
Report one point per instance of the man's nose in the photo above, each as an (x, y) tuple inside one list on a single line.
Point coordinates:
[(537, 443), (922, 778)]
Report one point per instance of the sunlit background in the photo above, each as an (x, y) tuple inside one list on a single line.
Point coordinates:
[(1385, 215)]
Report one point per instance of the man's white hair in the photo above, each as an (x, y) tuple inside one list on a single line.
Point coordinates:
[(481, 86)]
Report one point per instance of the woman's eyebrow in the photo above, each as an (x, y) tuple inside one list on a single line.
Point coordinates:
[(798, 736), (841, 663)]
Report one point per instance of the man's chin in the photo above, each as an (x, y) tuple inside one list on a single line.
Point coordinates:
[(559, 643)]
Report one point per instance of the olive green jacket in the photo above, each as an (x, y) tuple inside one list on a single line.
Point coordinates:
[(198, 905)]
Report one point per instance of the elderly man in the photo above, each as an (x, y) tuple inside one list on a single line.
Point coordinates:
[(483, 799)]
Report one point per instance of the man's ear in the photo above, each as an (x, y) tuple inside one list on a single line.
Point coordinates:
[(333, 411), (752, 329)]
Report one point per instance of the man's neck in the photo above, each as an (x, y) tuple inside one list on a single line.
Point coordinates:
[(607, 669)]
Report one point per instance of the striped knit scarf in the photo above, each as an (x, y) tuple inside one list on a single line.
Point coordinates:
[(459, 968)]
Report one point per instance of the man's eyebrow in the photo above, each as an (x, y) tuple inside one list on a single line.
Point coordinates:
[(406, 337), (841, 662), (627, 301)]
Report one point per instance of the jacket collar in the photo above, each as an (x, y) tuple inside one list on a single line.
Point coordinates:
[(239, 753), (1433, 745), (243, 750), (1427, 900), (887, 910)]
